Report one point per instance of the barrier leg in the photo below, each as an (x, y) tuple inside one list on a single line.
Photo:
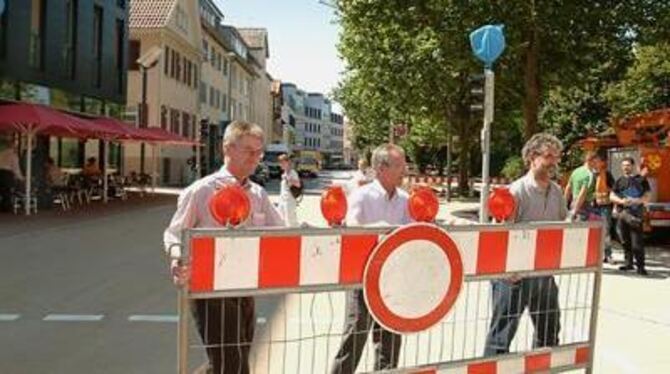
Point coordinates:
[(182, 335), (595, 304)]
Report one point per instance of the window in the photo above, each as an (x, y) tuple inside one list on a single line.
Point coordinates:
[(182, 20), (186, 125), (174, 121), (184, 74), (37, 26), (166, 58), (3, 34), (224, 102), (173, 63), (203, 92), (205, 49), (164, 117), (195, 76), (177, 73), (69, 49), (97, 43), (225, 66), (120, 38), (211, 96)]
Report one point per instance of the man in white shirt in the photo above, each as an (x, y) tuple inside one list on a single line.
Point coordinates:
[(378, 202), (226, 325), (289, 179)]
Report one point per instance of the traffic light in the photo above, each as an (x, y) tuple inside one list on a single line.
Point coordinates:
[(476, 92), (204, 128)]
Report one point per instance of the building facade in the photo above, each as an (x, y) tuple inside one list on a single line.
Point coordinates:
[(261, 86), (71, 55), (165, 35), (318, 130), (215, 85), (234, 83)]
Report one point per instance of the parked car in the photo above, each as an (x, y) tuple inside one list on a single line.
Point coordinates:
[(261, 175)]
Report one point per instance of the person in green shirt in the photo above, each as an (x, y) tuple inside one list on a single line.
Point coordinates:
[(580, 190)]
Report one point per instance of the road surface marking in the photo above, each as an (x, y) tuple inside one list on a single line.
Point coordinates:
[(9, 317), (73, 317), (169, 318)]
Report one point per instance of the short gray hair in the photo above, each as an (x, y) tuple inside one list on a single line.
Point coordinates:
[(381, 156), (537, 144), (237, 129)]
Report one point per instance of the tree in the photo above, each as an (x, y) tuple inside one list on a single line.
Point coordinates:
[(646, 85), (408, 61)]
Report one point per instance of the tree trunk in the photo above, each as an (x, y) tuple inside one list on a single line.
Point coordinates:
[(531, 101)]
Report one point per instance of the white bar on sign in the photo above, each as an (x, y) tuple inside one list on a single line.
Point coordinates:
[(575, 245), (320, 259), (236, 263), (521, 250), (468, 245)]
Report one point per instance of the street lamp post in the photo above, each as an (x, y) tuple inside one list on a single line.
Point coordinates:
[(146, 61), (487, 43)]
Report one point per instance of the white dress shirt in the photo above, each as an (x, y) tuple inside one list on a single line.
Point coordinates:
[(287, 178), (193, 208), (370, 204)]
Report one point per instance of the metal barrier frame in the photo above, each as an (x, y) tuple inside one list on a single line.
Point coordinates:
[(587, 348)]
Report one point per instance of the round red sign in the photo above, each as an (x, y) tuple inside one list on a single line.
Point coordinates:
[(413, 278)]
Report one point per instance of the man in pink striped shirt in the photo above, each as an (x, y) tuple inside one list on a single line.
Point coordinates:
[(226, 325)]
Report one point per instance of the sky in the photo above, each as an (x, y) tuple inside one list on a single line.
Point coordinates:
[(302, 35)]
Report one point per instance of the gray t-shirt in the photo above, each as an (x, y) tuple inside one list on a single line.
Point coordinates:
[(535, 203)]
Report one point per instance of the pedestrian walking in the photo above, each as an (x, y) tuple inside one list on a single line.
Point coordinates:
[(602, 204), (537, 199), (380, 201), (287, 201), (226, 325)]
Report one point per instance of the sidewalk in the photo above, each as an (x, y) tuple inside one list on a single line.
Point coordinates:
[(12, 224)]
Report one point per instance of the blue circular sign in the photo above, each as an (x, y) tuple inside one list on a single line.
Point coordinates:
[(488, 43)]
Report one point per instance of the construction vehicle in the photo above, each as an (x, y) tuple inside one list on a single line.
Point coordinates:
[(646, 138)]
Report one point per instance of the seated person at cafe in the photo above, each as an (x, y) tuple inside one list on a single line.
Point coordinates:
[(55, 176), (91, 169)]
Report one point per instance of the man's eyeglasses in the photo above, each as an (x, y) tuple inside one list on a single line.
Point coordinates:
[(250, 152)]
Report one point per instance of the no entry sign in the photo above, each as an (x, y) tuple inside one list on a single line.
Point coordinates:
[(413, 278)]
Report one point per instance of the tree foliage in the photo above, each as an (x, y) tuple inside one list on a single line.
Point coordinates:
[(407, 61), (646, 85)]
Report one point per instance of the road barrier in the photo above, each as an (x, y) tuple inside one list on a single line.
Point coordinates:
[(433, 285)]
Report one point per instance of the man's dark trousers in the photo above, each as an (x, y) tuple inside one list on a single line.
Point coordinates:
[(357, 326), (226, 326), (632, 239), (540, 295)]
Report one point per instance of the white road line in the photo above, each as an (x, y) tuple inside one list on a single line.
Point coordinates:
[(170, 318), (73, 317), (9, 317)]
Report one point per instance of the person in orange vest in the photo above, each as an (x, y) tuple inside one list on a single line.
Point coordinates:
[(602, 205)]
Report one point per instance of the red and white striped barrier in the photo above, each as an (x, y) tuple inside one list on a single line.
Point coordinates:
[(557, 359), (270, 261)]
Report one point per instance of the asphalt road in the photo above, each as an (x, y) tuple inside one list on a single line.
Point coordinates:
[(90, 292)]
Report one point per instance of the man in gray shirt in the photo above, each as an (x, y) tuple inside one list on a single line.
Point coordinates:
[(537, 199)]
